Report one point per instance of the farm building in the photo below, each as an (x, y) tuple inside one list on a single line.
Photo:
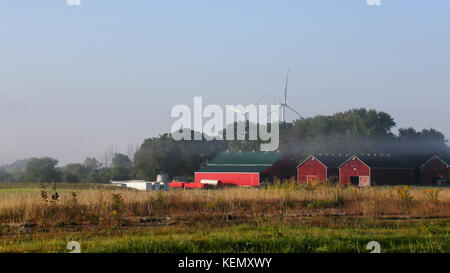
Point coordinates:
[(246, 168), (375, 169), (436, 171), (142, 185), (162, 183), (321, 167), (415, 160)]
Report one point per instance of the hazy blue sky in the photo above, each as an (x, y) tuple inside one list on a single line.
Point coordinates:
[(74, 80)]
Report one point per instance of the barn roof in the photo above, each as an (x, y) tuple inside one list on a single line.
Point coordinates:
[(380, 161), (246, 158), (245, 162), (233, 169), (415, 160), (443, 157), (329, 160)]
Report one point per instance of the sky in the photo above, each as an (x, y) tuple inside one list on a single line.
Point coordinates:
[(75, 80)]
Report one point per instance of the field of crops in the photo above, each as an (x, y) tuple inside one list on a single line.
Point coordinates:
[(280, 218)]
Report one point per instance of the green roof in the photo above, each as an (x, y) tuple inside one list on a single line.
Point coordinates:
[(233, 169), (246, 159), (242, 162)]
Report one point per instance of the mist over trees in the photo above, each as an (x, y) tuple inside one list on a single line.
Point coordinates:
[(359, 131), (18, 165), (353, 131), (44, 170)]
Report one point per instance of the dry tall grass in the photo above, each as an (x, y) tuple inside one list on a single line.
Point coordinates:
[(101, 207)]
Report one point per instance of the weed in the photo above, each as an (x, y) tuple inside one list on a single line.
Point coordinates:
[(404, 194), (432, 194), (44, 194), (74, 198)]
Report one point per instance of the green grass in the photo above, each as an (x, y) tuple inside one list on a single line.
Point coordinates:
[(61, 187), (238, 239)]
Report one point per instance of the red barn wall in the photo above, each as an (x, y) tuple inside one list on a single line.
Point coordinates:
[(239, 179), (433, 169), (353, 167), (311, 169), (392, 177)]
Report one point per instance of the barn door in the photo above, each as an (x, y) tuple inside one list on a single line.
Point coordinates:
[(354, 180), (312, 179), (364, 181)]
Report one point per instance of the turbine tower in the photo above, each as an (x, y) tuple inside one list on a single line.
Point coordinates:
[(284, 104)]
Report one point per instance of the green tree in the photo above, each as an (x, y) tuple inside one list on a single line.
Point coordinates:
[(5, 176), (92, 163), (74, 173), (353, 131), (176, 158), (42, 170), (121, 167), (102, 175), (425, 141)]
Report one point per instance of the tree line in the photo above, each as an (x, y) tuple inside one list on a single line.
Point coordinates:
[(353, 131)]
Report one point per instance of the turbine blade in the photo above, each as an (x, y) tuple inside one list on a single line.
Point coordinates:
[(235, 110), (260, 99), (251, 106), (292, 109), (278, 109), (286, 87)]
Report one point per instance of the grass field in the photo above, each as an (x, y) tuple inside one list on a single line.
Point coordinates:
[(280, 218)]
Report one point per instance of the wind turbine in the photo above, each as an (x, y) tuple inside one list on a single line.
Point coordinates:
[(245, 112), (247, 109), (284, 104)]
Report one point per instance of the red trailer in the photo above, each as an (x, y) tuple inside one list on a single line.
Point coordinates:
[(436, 171), (375, 169), (195, 186), (318, 168), (246, 168), (176, 184)]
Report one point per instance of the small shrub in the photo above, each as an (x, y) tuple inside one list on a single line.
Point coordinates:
[(44, 194), (55, 197), (405, 197), (403, 194), (432, 194), (112, 214), (74, 198), (118, 204)]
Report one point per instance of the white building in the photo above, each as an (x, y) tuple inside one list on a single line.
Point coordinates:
[(142, 185)]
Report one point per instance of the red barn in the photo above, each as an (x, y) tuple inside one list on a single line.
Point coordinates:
[(375, 169), (246, 168), (318, 168), (436, 171)]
